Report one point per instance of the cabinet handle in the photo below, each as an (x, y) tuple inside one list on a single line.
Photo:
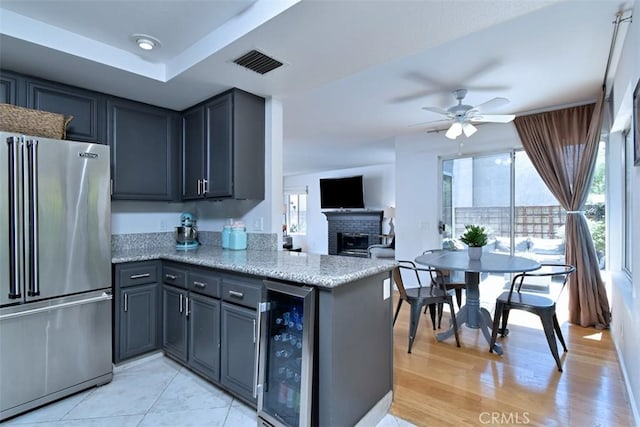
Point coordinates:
[(205, 186), (236, 294), (170, 276), (181, 303), (186, 306), (254, 331), (126, 302), (199, 187), (199, 284), (139, 276)]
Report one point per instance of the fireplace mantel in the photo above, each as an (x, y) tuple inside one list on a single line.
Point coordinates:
[(353, 222)]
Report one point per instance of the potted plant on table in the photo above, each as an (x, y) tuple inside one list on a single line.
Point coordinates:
[(475, 237)]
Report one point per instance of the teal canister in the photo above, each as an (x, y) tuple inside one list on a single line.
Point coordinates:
[(238, 238), (226, 234)]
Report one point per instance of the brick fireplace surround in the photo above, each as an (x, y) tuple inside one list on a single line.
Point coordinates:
[(353, 225)]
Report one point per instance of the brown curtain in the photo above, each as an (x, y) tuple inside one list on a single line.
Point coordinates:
[(563, 146)]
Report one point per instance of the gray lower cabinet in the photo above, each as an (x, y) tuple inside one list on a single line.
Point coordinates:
[(136, 310), (204, 335), (174, 322), (191, 320), (238, 350)]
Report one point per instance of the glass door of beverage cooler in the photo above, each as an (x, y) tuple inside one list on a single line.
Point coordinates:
[(286, 355)]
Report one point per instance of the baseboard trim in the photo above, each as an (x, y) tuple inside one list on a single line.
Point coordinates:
[(377, 412)]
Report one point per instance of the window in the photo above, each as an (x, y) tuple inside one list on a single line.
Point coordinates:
[(627, 218), (296, 212)]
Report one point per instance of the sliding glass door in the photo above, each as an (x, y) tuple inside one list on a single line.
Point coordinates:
[(504, 193)]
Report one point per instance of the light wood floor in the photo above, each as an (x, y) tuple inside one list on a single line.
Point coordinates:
[(439, 384)]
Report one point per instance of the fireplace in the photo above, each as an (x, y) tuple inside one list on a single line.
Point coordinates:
[(350, 233), (353, 244)]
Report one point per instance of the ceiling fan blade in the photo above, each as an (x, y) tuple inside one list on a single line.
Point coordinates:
[(492, 103), (493, 118), (432, 122), (438, 110)]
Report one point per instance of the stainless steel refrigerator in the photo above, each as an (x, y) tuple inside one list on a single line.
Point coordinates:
[(55, 270)]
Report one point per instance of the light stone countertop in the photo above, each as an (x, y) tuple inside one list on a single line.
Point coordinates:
[(328, 271)]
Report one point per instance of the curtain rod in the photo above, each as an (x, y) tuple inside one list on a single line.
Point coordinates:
[(619, 19)]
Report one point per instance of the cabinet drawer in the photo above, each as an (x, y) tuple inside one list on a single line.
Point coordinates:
[(241, 292), (174, 276), (204, 282), (138, 274)]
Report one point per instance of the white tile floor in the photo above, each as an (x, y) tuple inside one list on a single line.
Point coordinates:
[(152, 391)]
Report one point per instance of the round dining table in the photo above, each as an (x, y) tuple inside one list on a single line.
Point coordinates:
[(471, 313)]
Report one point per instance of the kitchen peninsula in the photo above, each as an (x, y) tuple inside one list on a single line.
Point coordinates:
[(353, 346)]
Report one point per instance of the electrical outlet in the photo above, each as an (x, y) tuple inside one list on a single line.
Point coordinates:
[(163, 225), (258, 224)]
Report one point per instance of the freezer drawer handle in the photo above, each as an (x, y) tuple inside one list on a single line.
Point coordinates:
[(236, 294), (170, 276), (199, 284), (103, 297), (139, 276)]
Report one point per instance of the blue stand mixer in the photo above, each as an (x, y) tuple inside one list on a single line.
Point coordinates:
[(187, 233)]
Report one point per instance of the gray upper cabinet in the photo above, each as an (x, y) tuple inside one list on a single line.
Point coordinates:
[(11, 88), (223, 148), (85, 106), (143, 141), (193, 145)]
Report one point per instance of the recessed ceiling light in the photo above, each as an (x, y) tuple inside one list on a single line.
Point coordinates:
[(145, 42)]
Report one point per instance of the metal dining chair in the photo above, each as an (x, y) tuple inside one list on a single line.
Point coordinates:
[(542, 306), (452, 281), (421, 296)]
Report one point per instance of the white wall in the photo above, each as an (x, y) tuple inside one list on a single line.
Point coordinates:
[(625, 294), (417, 180), (379, 192)]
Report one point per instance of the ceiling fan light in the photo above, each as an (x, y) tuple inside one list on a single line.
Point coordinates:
[(454, 131), (469, 129)]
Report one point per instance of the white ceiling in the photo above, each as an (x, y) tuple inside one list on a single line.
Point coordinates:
[(356, 72)]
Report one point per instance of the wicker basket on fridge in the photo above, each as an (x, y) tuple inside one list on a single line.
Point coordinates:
[(33, 122)]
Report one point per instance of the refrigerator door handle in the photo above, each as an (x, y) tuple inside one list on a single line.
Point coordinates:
[(34, 279), (14, 170)]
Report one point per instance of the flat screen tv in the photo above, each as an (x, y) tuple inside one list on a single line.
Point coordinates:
[(342, 193)]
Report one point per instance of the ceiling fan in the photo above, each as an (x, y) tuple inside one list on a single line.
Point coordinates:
[(462, 115)]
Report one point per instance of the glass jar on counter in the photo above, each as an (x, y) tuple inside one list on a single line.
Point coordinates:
[(238, 237), (226, 233)]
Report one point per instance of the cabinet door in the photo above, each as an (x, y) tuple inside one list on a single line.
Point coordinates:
[(143, 140), (85, 107), (219, 168), (192, 153), (174, 322), (204, 335), (238, 350), (138, 320), (11, 89)]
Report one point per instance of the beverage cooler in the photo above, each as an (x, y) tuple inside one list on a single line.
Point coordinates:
[(286, 355)]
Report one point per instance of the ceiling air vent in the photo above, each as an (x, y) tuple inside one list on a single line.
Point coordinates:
[(258, 62)]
